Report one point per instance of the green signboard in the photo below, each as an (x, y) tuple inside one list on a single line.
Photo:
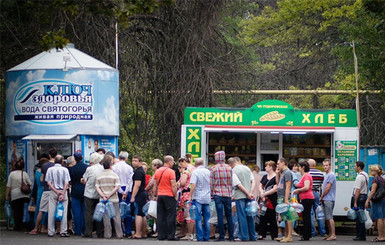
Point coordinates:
[(270, 113), (346, 157), (194, 141)]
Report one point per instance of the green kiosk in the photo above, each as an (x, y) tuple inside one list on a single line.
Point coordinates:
[(272, 129)]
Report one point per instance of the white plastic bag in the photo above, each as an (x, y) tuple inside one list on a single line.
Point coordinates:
[(368, 222), (152, 208)]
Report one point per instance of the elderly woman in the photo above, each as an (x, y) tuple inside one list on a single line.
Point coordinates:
[(378, 207), (304, 188), (15, 195)]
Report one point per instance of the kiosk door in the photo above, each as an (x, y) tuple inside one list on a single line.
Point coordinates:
[(269, 147)]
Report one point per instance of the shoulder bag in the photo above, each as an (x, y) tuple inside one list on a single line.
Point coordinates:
[(380, 192), (25, 188)]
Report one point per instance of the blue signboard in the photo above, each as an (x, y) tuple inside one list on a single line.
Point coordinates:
[(62, 102)]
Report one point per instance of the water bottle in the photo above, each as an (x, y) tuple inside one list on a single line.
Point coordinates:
[(263, 210), (99, 211), (361, 215), (7, 209), (25, 213), (352, 215), (297, 206), (59, 211), (320, 214), (252, 208), (123, 209), (110, 209), (145, 208), (193, 211), (281, 208)]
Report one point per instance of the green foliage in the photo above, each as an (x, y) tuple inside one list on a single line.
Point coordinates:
[(54, 39)]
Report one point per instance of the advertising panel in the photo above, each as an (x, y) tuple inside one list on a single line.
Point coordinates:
[(91, 144), (346, 157), (16, 150), (62, 102)]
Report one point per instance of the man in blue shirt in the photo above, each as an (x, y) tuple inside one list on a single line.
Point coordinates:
[(200, 194), (328, 198)]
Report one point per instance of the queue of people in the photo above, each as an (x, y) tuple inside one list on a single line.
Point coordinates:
[(201, 201)]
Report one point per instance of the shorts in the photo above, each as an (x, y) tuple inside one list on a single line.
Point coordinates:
[(141, 199), (378, 210), (328, 209), (44, 201)]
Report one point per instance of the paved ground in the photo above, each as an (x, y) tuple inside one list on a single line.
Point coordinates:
[(20, 238)]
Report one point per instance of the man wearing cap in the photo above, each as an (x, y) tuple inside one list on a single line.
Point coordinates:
[(221, 190), (77, 193), (91, 196)]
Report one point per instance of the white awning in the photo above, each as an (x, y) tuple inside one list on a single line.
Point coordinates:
[(50, 137), (284, 130)]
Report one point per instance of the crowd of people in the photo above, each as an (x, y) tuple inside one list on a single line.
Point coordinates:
[(219, 197)]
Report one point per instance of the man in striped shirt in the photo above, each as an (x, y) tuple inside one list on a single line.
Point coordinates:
[(221, 190), (318, 178), (107, 185)]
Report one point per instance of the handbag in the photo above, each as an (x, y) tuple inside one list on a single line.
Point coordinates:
[(25, 188), (152, 208), (380, 192)]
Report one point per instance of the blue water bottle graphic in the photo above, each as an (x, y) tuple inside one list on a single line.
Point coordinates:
[(110, 209), (7, 209), (99, 211), (193, 211)]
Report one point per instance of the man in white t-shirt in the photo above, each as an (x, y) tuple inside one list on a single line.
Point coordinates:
[(360, 193)]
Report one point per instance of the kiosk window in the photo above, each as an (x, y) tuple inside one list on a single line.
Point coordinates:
[(64, 149), (242, 145)]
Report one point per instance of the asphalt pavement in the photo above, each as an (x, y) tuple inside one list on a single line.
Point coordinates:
[(8, 237)]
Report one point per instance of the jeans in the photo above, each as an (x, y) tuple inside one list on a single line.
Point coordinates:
[(166, 222), (307, 205), (321, 222), (360, 227), (246, 223), (202, 231), (127, 221), (78, 212), (224, 204)]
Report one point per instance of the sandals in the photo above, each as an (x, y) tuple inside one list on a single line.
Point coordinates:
[(377, 240), (33, 232), (286, 240), (331, 238)]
